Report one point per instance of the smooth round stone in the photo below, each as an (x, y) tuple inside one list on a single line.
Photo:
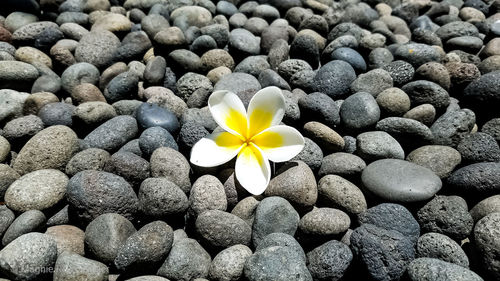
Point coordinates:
[(427, 269), (51, 148), (88, 159), (466, 43), (29, 221), (373, 82), (93, 193), (486, 238), (206, 194), (427, 92), (274, 214), (106, 234), (483, 208), (71, 266), (151, 115), (269, 77), (155, 137), (400, 181), (38, 190), (442, 160), (417, 54), (57, 113), (439, 246), (376, 145), (160, 198), (456, 29), (242, 84), (373, 246), (186, 16), (77, 74), (243, 43), (329, 261), (394, 101), (343, 164), (16, 20), (229, 263), (4, 148), (305, 47), (32, 250), (17, 75), (146, 248), (97, 48), (324, 222), (171, 164), (351, 56), (359, 111), (123, 86), (283, 240), (480, 179), (324, 136), (334, 78), (222, 230), (319, 107), (408, 132), (187, 260), (113, 134), (283, 263)]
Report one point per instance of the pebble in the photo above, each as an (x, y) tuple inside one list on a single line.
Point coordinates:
[(426, 92), (417, 54), (426, 269), (294, 182), (384, 253), (146, 248), (112, 134), (219, 229), (75, 267), (30, 221), (359, 111), (329, 261), (408, 132), (68, 238), (97, 48), (207, 193), (11, 104), (324, 222), (400, 181), (38, 190), (324, 136), (452, 127), (57, 113), (50, 148), (169, 163), (392, 216), (377, 145), (274, 214), (229, 263), (245, 209), (478, 179), (311, 154), (373, 82), (93, 113), (439, 246), (334, 78), (106, 234), (479, 147), (17, 75), (343, 164), (434, 72), (128, 165), (22, 128), (93, 193), (161, 198), (122, 86), (187, 260), (276, 263), (77, 74), (242, 84), (393, 101), (442, 160), (424, 113), (88, 159), (6, 219), (151, 115), (483, 208), (486, 237), (447, 215), (350, 56)]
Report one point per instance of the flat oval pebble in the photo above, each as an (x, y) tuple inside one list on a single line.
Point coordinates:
[(400, 181)]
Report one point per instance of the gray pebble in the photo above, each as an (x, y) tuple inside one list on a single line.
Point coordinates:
[(71, 266), (220, 230), (229, 263), (427, 269), (439, 246), (88, 159), (377, 145), (113, 134), (169, 163), (329, 261), (359, 111)]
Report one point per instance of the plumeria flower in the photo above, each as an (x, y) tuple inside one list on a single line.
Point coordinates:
[(255, 137)]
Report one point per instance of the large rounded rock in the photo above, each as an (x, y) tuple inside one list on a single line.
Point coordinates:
[(229, 263), (38, 190), (161, 198), (106, 234), (329, 261), (478, 147), (429, 269), (28, 252), (359, 111), (340, 193), (439, 246), (128, 165), (93, 193), (17, 75), (88, 159), (377, 145), (97, 48), (222, 230), (478, 180), (440, 159), (146, 248), (207, 194), (186, 261), (487, 240), (400, 181), (113, 134), (483, 92), (71, 266), (384, 253), (186, 16), (171, 164), (422, 92), (69, 238), (446, 215), (278, 264), (294, 182), (274, 214), (334, 78), (51, 148)]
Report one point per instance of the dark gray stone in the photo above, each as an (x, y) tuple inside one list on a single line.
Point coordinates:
[(480, 179), (439, 246), (400, 181), (359, 111), (229, 263), (121, 87), (377, 145), (71, 266), (161, 198), (479, 147), (351, 56), (400, 71), (486, 241), (428, 269), (311, 154), (88, 159), (408, 132), (242, 84), (343, 164), (334, 78), (453, 126), (29, 221), (152, 115), (422, 92), (222, 230), (329, 261), (282, 240), (57, 113), (154, 138), (131, 167), (319, 107), (113, 134), (417, 53)]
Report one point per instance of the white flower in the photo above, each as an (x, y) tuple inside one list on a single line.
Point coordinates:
[(255, 137)]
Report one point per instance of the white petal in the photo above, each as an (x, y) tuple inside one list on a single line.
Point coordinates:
[(215, 149), (266, 109), (252, 170), (229, 112), (279, 143)]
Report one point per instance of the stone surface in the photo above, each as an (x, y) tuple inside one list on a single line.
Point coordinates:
[(426, 269), (439, 246)]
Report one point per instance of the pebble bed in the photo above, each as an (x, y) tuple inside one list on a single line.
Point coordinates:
[(101, 102)]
